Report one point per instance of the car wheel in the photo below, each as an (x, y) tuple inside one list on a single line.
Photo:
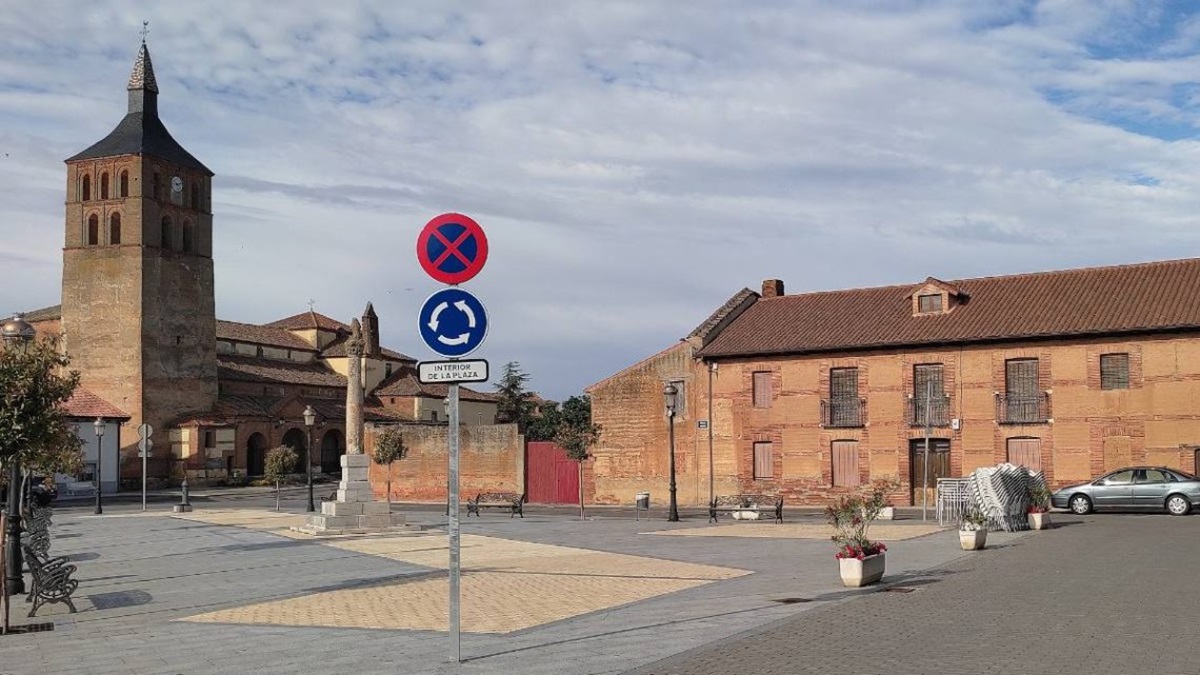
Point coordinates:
[(1178, 505), (1081, 505)]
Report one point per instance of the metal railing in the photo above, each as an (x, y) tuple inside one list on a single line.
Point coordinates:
[(1026, 409), (843, 413), (937, 408)]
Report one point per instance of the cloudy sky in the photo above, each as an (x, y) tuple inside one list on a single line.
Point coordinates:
[(633, 163)]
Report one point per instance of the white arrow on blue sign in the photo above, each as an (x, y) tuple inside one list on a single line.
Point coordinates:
[(453, 322)]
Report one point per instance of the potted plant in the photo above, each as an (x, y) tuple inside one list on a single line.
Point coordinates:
[(972, 531), (1039, 507), (860, 560), (750, 513), (886, 487)]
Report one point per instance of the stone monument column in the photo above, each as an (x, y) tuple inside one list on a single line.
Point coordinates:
[(354, 391)]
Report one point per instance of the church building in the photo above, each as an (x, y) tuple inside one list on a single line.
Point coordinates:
[(138, 320)]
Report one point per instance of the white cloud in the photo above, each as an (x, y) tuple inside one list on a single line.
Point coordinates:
[(635, 164)]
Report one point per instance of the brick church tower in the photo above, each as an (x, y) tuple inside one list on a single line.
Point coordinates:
[(138, 312)]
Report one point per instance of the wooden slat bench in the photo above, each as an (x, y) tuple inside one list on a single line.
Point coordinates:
[(759, 504), (499, 500)]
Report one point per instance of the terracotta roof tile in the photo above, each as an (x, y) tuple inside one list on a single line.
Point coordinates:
[(337, 349), (262, 335), (255, 369), (232, 407), (309, 320), (85, 404), (732, 308), (1147, 297), (44, 314)]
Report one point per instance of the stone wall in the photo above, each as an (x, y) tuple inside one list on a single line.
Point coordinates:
[(492, 459)]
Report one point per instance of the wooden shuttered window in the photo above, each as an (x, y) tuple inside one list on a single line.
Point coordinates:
[(762, 389), (764, 460), (928, 304), (1026, 452), (1021, 379), (1114, 371), (845, 463)]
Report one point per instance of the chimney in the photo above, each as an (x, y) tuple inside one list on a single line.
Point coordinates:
[(772, 288)]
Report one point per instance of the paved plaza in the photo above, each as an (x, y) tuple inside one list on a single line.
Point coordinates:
[(228, 588)]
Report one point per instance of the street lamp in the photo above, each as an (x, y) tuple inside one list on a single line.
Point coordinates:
[(670, 396), (17, 333), (98, 425), (310, 418)]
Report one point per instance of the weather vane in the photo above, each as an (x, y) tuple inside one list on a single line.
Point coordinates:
[(145, 30)]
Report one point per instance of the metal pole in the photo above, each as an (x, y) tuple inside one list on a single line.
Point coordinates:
[(673, 514), (455, 571), (711, 493), (13, 561), (925, 479), (99, 510), (145, 452)]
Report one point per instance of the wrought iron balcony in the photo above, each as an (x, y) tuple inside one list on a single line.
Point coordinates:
[(937, 408), (1027, 409), (843, 413)]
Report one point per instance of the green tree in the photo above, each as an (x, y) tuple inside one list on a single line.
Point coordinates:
[(389, 447), (514, 403), (544, 426), (577, 435), (280, 463)]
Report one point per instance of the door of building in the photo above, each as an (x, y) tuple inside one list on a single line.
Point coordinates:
[(939, 467), (550, 476)]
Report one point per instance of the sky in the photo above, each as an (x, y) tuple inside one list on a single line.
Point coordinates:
[(634, 164)]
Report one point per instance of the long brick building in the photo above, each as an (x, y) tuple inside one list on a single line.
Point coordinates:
[(812, 395)]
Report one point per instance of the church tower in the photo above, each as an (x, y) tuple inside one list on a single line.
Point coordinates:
[(138, 311)]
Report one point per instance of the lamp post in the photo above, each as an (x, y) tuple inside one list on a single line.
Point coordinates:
[(17, 334), (98, 425), (670, 394), (310, 418)]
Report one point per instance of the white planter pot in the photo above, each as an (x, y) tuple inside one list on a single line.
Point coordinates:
[(1039, 521), (745, 515), (887, 513), (857, 572), (972, 540)]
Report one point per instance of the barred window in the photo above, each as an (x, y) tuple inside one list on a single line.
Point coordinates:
[(844, 408), (762, 389), (1114, 371)]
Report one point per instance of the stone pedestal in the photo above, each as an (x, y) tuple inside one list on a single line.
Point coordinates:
[(354, 511)]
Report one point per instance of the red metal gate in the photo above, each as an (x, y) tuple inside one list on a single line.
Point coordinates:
[(550, 477)]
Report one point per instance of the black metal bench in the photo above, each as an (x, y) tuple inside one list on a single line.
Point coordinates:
[(332, 497), (52, 580), (759, 504), (37, 528), (499, 500)]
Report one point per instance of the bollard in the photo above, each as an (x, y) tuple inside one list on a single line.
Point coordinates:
[(184, 505)]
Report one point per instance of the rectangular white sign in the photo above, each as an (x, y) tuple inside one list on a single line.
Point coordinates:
[(445, 372)]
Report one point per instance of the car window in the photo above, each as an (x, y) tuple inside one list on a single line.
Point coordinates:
[(1153, 476), (1118, 478), (1176, 474)]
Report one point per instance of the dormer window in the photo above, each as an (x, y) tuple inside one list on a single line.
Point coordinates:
[(929, 304)]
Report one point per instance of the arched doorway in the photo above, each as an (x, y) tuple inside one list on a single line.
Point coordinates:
[(297, 440), (332, 449), (256, 455)]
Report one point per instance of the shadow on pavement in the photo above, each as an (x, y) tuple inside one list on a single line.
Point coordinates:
[(119, 599)]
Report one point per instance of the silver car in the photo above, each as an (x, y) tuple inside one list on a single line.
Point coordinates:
[(1137, 488)]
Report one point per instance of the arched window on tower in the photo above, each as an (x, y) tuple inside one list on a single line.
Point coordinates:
[(85, 191), (114, 229), (166, 232), (93, 234), (157, 194), (124, 184), (104, 185), (188, 236), (196, 196)]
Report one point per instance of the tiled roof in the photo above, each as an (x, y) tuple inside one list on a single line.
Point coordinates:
[(262, 335), (232, 407), (309, 320), (1124, 299), (407, 384), (85, 404), (724, 314), (255, 369), (337, 349), (45, 314)]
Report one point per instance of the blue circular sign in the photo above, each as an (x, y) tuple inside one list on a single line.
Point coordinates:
[(453, 322)]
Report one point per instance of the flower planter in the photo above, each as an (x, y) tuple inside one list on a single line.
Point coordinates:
[(1039, 521), (745, 515), (887, 513), (972, 540), (857, 572)]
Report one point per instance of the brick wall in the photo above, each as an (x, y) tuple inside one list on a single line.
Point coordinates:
[(492, 459)]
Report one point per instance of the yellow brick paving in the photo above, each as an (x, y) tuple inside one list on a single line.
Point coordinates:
[(881, 531), (507, 585)]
